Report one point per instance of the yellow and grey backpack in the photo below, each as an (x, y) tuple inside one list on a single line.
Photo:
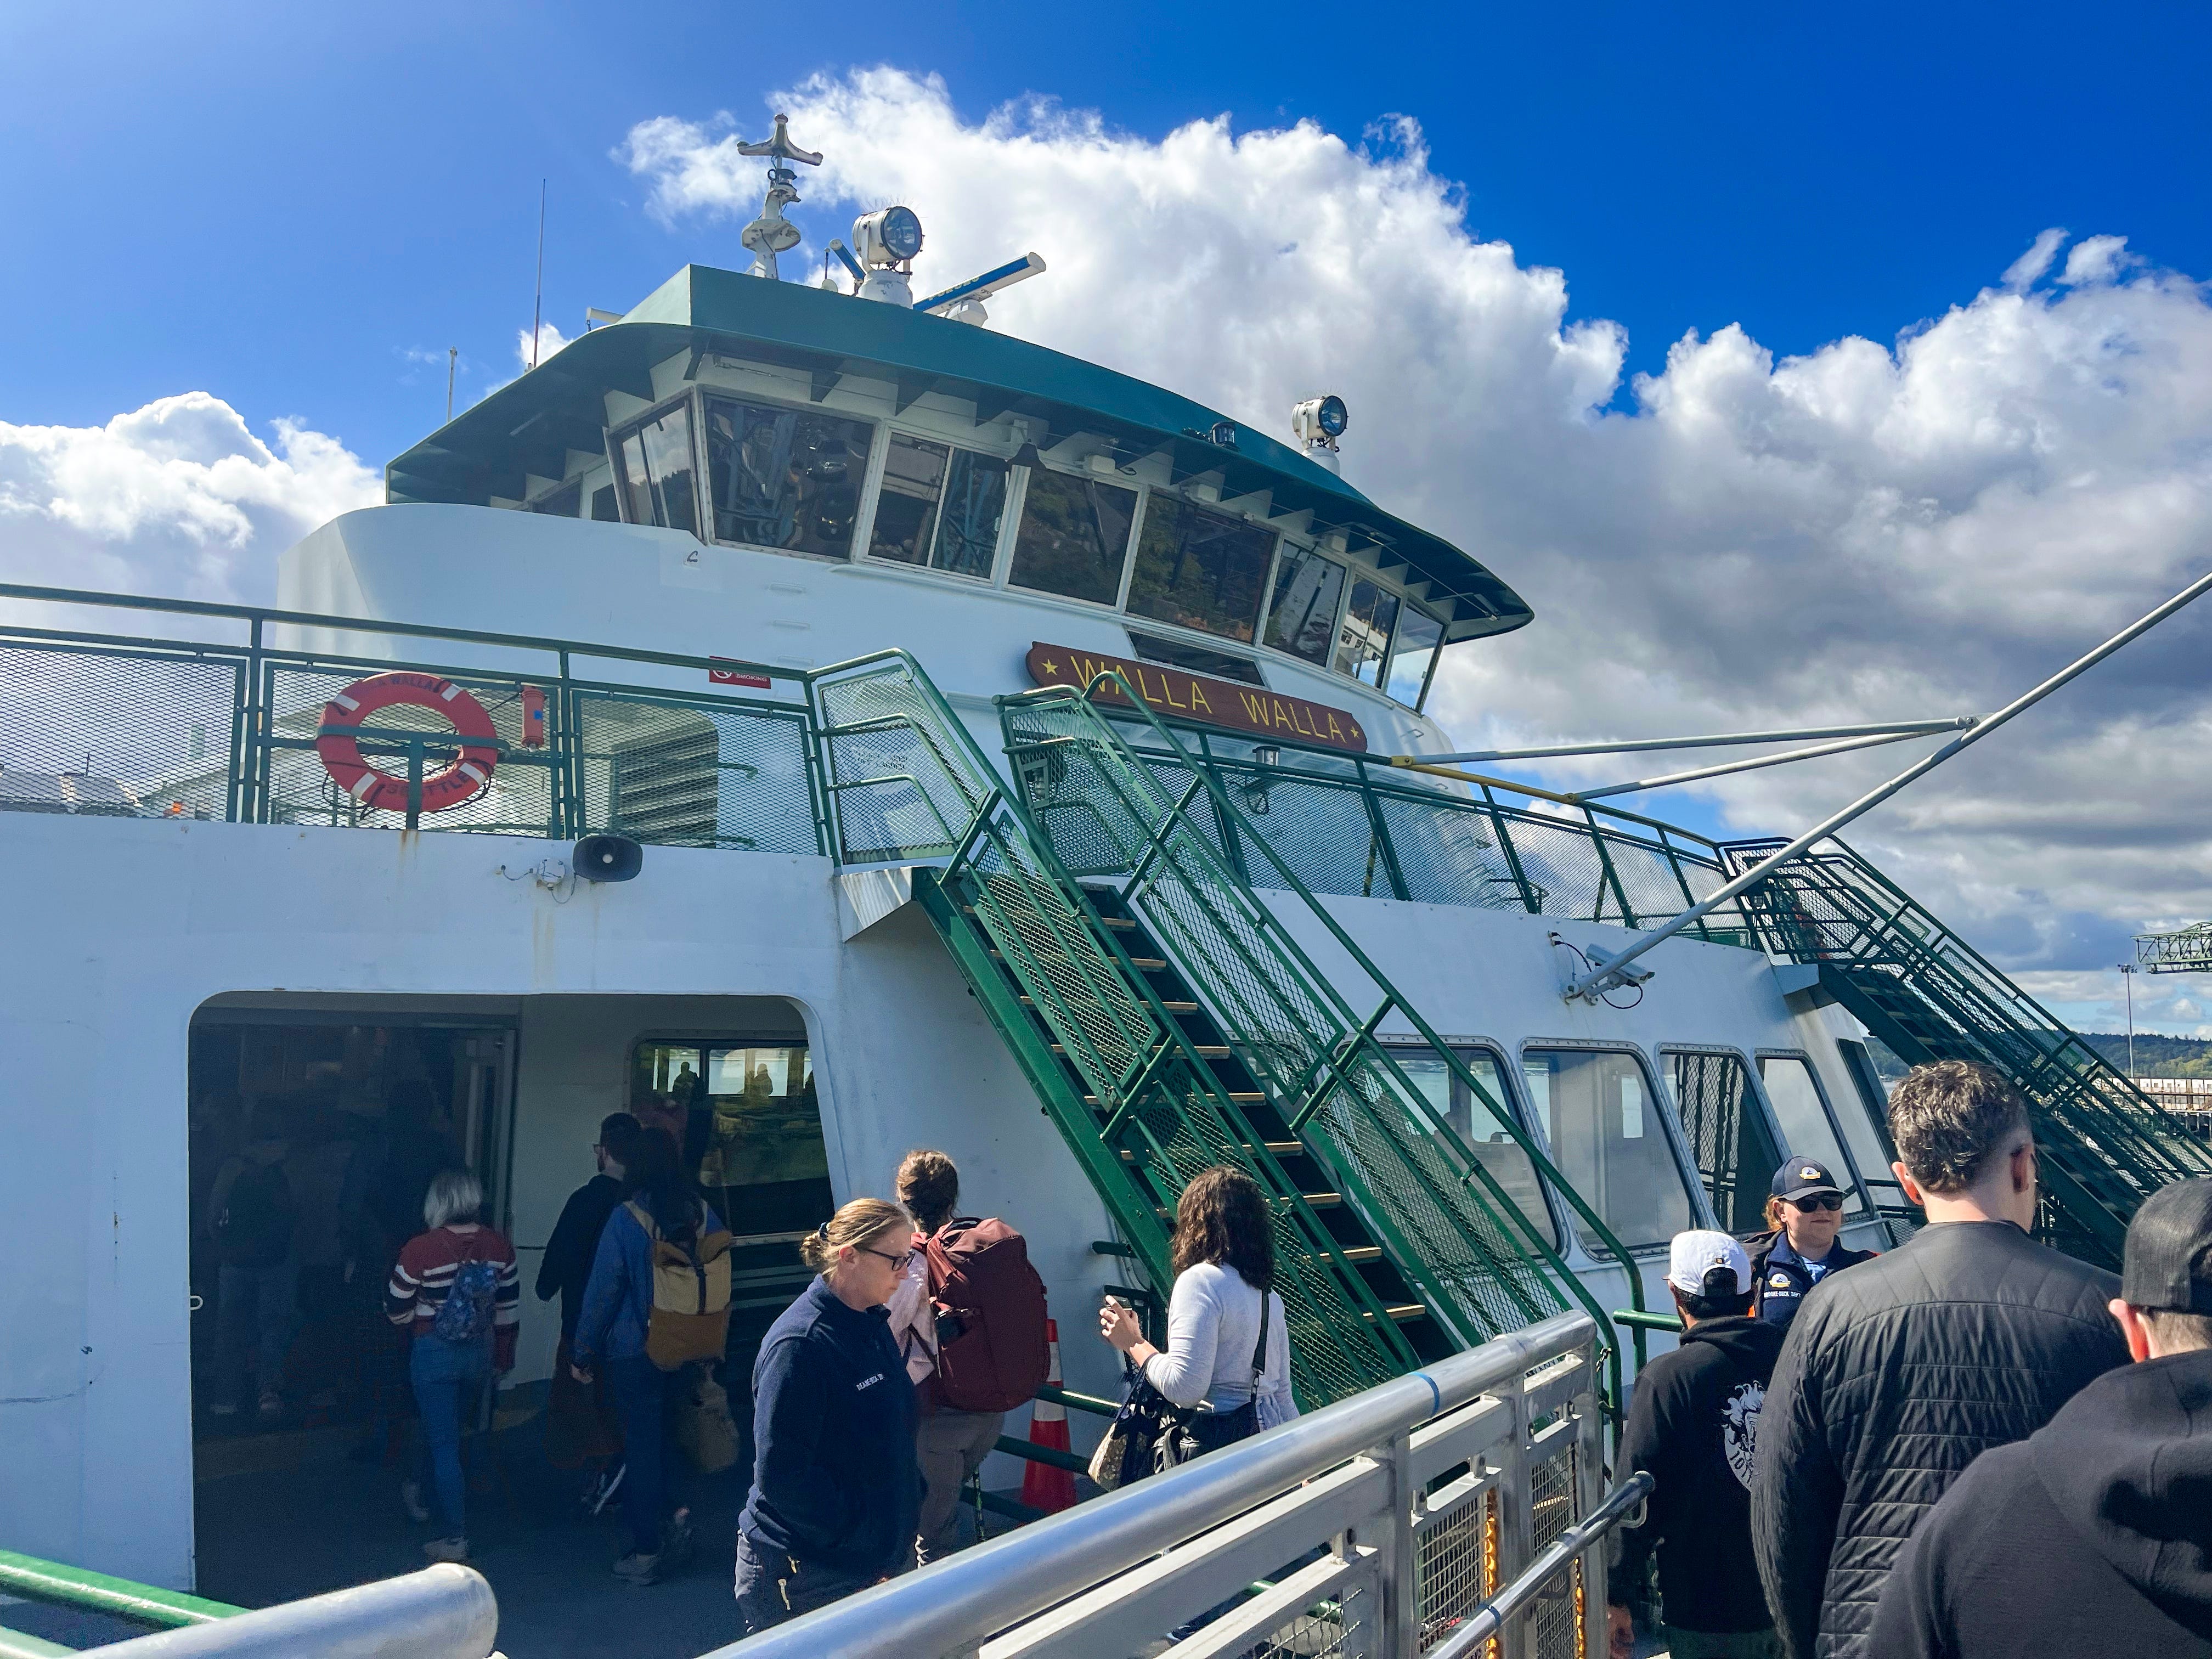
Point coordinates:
[(690, 1315)]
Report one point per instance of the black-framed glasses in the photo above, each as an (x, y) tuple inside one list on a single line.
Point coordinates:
[(899, 1260), (1809, 1202)]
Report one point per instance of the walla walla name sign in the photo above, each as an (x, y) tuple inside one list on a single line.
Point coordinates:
[(1179, 695)]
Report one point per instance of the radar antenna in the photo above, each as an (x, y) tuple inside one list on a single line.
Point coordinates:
[(772, 233)]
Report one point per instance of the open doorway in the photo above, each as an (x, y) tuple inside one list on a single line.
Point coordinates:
[(314, 1137)]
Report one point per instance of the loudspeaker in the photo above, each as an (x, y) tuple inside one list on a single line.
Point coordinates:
[(607, 858)]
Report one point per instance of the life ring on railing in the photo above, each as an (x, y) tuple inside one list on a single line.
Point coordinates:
[(344, 716)]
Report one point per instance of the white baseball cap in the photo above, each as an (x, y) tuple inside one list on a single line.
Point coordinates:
[(1697, 1254)]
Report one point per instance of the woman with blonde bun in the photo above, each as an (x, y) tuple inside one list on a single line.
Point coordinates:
[(835, 1489)]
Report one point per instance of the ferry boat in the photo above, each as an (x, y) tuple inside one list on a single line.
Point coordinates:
[(809, 716)]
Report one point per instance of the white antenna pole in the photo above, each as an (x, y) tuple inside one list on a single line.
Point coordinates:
[(452, 356), (537, 304), (1607, 973)]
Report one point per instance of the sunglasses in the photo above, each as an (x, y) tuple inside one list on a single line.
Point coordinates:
[(1809, 1202)]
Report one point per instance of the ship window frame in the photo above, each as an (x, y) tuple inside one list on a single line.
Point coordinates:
[(612, 435), (1754, 1091), (863, 506), (1557, 1210), (1686, 1170), (1011, 503), (1011, 547), (1865, 1183)]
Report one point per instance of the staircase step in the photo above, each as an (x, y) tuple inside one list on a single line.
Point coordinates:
[(1203, 1050), (1404, 1313), (1279, 1148), (1314, 1201), (1242, 1098), (1142, 964), (1172, 1007)]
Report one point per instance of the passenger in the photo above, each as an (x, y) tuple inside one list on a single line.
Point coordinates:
[(1805, 1208), (835, 1490), (1224, 1257), (971, 1282), (611, 1328), (2106, 1541), (455, 1290), (257, 1275), (1692, 1426), (580, 1426), (1899, 1373)]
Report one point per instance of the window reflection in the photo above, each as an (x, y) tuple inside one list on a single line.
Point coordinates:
[(1365, 634), (1805, 1131), (657, 473), (1303, 609), (1481, 1128), (1074, 537), (939, 506), (1199, 569), (750, 1125), (906, 507), (968, 527), (782, 477), (1608, 1144), (1412, 648), (1728, 1136)]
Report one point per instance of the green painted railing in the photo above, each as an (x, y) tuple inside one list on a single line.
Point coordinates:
[(1110, 811), (54, 1585)]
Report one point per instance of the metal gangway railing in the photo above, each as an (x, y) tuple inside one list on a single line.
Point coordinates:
[(1422, 1517)]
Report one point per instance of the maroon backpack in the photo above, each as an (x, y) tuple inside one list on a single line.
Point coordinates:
[(991, 1354)]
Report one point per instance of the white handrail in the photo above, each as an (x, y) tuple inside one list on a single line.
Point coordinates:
[(444, 1612)]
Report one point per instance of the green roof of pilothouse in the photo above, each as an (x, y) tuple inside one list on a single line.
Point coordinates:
[(527, 426)]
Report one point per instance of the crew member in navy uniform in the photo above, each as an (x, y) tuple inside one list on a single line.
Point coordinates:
[(1805, 1207)]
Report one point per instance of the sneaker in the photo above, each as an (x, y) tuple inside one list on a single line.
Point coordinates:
[(272, 1403), (639, 1569), (602, 1491), (411, 1496), (447, 1549)]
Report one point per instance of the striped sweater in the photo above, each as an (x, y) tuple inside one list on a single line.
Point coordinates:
[(424, 1277)]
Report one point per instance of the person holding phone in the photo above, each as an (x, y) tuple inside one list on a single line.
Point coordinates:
[(1805, 1208)]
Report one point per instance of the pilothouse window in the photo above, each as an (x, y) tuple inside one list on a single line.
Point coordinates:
[(785, 477), (1412, 650), (1303, 611), (939, 506), (1199, 569), (1365, 636), (658, 478), (1075, 537)]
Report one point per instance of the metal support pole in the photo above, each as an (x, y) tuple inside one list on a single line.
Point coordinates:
[(1897, 728), (1752, 765), (1607, 973)]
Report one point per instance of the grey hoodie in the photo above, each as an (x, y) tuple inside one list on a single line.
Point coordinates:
[(2092, 1536)]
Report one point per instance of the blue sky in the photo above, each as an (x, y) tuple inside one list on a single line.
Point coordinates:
[(277, 202), (1900, 471)]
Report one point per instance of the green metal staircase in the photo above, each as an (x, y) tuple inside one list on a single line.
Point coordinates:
[(2103, 1144), (1167, 1022)]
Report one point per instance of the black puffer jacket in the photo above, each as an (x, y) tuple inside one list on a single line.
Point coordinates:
[(1894, 1377)]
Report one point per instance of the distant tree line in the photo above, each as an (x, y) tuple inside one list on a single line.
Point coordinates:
[(2156, 1056)]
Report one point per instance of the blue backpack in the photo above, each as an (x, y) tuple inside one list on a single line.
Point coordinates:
[(468, 1310)]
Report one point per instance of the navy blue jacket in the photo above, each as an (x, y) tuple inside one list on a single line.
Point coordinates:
[(835, 1481), (1783, 1279)]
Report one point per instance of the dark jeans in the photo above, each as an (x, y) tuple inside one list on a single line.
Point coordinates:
[(773, 1588), (253, 1326), (640, 1391), (446, 1376)]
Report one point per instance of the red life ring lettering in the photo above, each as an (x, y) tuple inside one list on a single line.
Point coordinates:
[(338, 744)]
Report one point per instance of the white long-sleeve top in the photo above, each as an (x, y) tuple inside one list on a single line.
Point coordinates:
[(1213, 1323)]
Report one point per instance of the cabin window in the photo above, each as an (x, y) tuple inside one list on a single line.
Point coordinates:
[(1412, 650), (563, 501), (785, 477), (1728, 1136), (1478, 1121), (749, 1126), (654, 467), (1610, 1145), (1303, 613), (604, 510), (1222, 664), (1075, 537), (1364, 637), (1806, 1132), (939, 506), (1198, 569)]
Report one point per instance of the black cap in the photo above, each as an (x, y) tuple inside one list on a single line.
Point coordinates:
[(1801, 1177), (2168, 1263)]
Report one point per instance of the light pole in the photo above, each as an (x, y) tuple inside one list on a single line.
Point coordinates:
[(2128, 971)]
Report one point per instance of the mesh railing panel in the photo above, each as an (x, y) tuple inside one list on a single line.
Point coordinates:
[(1456, 1564), (1371, 1128), (117, 733), (902, 783), (1555, 1618), (1449, 853), (693, 773)]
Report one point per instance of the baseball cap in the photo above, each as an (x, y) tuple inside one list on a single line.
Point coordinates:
[(1694, 1255), (2168, 1265), (1801, 1177)]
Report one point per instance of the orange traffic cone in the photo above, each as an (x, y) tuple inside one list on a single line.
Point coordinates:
[(1043, 1486)]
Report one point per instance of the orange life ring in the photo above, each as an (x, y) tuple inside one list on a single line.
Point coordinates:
[(344, 715)]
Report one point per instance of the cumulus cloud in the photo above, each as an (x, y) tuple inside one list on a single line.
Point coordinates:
[(550, 339), (1919, 527), (177, 498)]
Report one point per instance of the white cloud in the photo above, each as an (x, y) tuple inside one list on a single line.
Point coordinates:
[(1910, 529), (550, 339), (177, 498)]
